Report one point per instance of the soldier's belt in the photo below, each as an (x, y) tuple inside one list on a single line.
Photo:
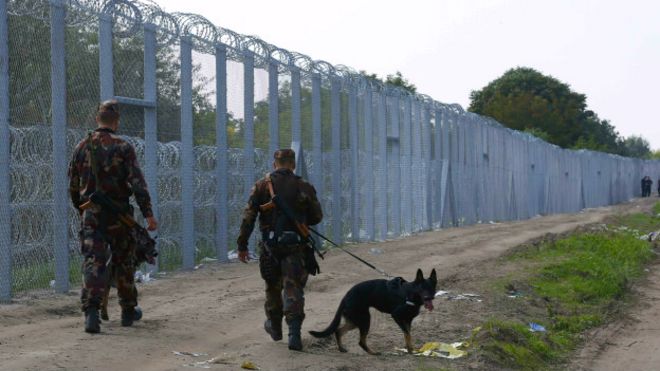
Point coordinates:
[(287, 249)]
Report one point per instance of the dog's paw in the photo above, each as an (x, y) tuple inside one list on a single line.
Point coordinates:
[(343, 350)]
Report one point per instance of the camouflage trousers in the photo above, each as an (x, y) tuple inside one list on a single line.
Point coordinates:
[(285, 283), (108, 250)]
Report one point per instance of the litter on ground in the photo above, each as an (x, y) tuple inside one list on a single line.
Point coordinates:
[(249, 366), (142, 277), (375, 251), (221, 360), (465, 296), (535, 327), (440, 350), (513, 293), (191, 354)]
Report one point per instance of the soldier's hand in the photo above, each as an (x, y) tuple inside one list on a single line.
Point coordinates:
[(244, 256), (152, 224)]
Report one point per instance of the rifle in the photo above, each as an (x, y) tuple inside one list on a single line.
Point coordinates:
[(146, 246), (303, 229)]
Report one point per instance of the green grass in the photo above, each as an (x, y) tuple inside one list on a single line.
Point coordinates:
[(579, 279), (656, 209), (511, 344), (38, 275)]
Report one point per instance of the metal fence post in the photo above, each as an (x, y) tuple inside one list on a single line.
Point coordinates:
[(335, 167), (369, 164), (273, 109), (296, 129), (222, 209), (406, 166), (150, 118), (394, 138), (106, 73), (60, 184), (382, 153), (317, 149), (417, 195), (426, 153), (5, 156), (437, 165), (354, 143), (187, 156), (248, 111)]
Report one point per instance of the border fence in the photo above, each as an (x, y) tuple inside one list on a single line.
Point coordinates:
[(206, 107)]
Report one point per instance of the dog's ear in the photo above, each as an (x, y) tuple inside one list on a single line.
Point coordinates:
[(420, 276), (433, 277)]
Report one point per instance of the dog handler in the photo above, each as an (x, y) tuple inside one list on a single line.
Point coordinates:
[(282, 253), (103, 162)]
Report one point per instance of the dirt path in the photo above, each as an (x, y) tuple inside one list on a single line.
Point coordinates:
[(217, 310), (632, 343)]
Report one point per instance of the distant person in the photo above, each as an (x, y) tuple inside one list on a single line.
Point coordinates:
[(643, 187), (647, 183)]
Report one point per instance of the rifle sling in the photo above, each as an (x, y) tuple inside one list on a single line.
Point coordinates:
[(289, 215)]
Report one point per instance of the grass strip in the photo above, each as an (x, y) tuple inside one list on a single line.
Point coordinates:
[(580, 279)]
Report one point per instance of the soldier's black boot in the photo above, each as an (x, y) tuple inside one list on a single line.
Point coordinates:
[(137, 313), (273, 327), (128, 316), (295, 342), (92, 320)]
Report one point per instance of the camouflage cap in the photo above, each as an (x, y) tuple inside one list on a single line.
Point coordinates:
[(285, 154)]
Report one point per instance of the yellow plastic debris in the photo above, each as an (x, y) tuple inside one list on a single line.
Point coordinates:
[(249, 366), (441, 350)]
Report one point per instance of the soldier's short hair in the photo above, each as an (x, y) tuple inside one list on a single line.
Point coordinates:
[(108, 111), (285, 156)]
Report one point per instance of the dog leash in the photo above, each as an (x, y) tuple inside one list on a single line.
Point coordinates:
[(351, 254)]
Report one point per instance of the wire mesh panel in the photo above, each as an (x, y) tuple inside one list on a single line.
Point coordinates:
[(30, 140), (204, 142), (236, 125), (169, 156)]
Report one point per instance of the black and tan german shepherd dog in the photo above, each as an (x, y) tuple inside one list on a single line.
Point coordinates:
[(397, 297)]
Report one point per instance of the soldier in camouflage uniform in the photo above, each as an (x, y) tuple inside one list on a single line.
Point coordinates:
[(114, 170), (282, 254)]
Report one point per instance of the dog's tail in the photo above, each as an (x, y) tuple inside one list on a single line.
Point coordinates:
[(333, 325)]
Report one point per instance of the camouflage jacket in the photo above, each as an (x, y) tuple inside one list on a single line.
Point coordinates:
[(298, 194), (119, 173)]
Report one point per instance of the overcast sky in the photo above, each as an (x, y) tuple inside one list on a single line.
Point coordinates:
[(608, 50)]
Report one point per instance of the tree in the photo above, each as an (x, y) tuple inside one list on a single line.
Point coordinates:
[(398, 80), (538, 133), (636, 146), (655, 155), (395, 79), (525, 99)]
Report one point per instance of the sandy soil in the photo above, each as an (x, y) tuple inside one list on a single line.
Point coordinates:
[(218, 310)]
